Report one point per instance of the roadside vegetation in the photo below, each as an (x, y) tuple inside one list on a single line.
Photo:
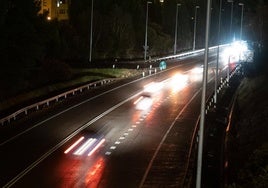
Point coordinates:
[(61, 80), (248, 154)]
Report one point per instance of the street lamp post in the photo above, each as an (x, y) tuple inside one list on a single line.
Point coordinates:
[(242, 14), (195, 15), (146, 25), (91, 30), (176, 29), (231, 21), (203, 101), (218, 52)]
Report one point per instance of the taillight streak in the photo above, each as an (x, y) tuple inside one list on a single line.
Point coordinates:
[(75, 144), (96, 147), (138, 100), (85, 146)]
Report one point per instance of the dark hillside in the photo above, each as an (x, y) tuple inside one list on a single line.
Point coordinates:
[(248, 154)]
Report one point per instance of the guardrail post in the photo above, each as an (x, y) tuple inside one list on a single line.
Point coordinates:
[(26, 112), (37, 107)]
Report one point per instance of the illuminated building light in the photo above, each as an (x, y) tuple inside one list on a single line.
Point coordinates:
[(85, 146), (75, 144), (48, 18), (96, 147)]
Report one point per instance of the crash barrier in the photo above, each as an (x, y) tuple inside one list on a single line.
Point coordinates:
[(210, 104), (184, 54), (47, 102)]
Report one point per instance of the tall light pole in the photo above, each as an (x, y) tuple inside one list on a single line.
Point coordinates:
[(242, 14), (195, 15), (218, 52), (231, 16), (91, 30), (146, 28), (203, 101), (176, 29)]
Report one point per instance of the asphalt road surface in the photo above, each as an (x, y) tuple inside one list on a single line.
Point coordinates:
[(101, 139)]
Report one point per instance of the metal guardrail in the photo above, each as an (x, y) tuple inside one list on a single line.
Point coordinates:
[(209, 104), (56, 98), (185, 54)]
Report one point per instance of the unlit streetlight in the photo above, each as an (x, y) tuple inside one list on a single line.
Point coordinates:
[(91, 30), (231, 16), (176, 29), (146, 28), (242, 14), (195, 15)]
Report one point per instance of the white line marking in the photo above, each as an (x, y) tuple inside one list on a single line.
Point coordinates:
[(163, 139), (49, 152)]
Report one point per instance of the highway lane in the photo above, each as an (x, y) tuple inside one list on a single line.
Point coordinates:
[(24, 153), (139, 134)]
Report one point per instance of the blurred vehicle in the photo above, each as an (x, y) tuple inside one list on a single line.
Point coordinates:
[(85, 146), (144, 102)]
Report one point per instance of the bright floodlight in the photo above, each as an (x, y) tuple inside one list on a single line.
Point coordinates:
[(235, 52)]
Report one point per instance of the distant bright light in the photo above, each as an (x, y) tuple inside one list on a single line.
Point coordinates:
[(48, 18), (234, 52)]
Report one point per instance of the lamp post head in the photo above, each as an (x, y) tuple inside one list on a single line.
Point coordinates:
[(230, 1), (149, 2), (241, 4), (197, 6), (178, 4)]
